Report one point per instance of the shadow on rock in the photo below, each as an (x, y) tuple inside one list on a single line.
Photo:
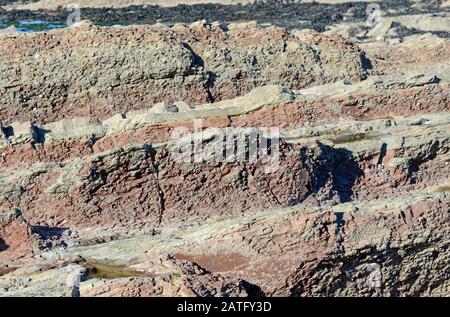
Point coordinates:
[(50, 237), (49, 232), (334, 172), (252, 290), (40, 134), (3, 245)]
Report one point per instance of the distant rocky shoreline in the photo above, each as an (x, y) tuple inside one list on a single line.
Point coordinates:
[(316, 16)]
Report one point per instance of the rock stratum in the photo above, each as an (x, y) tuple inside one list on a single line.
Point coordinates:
[(109, 186)]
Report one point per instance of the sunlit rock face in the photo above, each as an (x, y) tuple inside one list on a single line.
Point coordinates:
[(226, 159)]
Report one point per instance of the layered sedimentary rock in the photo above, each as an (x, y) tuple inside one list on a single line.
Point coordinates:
[(316, 168), (111, 70), (156, 276)]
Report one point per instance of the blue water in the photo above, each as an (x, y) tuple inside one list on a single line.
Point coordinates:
[(38, 25), (31, 26), (31, 22)]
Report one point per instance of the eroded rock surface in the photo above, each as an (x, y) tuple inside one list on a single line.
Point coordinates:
[(236, 160), (130, 68)]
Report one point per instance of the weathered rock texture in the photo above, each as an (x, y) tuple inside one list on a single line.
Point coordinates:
[(111, 70), (105, 192)]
